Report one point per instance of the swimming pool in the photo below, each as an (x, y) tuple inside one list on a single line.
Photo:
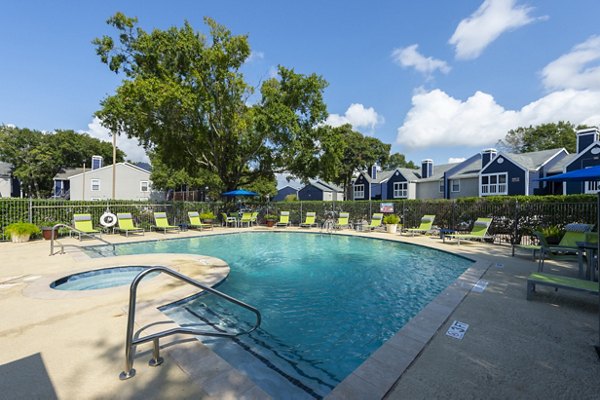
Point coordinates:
[(328, 301), (99, 279)]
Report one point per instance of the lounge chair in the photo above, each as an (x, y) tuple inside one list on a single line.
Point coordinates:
[(559, 282), (254, 218), (125, 224), (83, 224), (246, 219), (284, 219), (227, 220), (558, 252), (309, 221), (195, 222), (376, 220), (162, 223), (479, 231), (343, 221), (425, 227)]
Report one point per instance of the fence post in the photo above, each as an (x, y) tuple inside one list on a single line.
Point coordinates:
[(30, 210), (516, 234), (453, 215)]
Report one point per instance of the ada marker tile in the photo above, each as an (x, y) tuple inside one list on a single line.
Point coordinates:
[(457, 330), (480, 286)]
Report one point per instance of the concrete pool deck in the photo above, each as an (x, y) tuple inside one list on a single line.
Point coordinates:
[(72, 348)]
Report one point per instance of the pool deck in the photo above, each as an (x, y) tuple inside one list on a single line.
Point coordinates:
[(71, 345)]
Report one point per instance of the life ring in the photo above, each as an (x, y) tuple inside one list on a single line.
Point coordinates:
[(108, 219)]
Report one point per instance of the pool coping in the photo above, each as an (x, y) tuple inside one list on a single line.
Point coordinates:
[(377, 375)]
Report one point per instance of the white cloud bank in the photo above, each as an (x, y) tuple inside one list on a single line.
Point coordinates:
[(132, 149), (573, 70), (358, 116), (492, 18), (410, 57)]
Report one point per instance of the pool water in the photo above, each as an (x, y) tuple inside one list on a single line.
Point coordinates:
[(327, 301), (99, 279)]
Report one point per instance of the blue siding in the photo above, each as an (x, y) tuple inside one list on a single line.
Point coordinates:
[(309, 192), (390, 185), (362, 181), (283, 192), (584, 140), (516, 175), (376, 191), (584, 160)]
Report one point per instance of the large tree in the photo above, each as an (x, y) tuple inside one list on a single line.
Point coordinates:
[(541, 137), (185, 98), (398, 160)]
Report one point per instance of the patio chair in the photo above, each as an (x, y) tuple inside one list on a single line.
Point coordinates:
[(195, 222), (83, 224), (227, 220), (125, 225), (479, 231), (284, 219), (425, 227), (309, 220), (343, 221), (254, 218), (246, 219), (559, 282), (555, 252), (376, 221), (162, 223)]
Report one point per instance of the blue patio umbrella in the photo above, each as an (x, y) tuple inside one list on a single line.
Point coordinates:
[(239, 192), (582, 175)]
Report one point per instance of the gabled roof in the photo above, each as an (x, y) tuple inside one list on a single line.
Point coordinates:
[(534, 160), (124, 164), (438, 172), (382, 176), (560, 166), (468, 168), (325, 186), (282, 181), (67, 173), (5, 168)]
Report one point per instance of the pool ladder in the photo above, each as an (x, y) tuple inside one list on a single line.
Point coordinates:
[(71, 229), (131, 342)]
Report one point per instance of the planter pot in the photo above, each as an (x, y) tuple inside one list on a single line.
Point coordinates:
[(270, 223), (207, 221), (20, 238), (47, 233), (391, 228)]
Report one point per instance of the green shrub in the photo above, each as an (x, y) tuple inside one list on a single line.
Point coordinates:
[(21, 228), (391, 219), (207, 215)]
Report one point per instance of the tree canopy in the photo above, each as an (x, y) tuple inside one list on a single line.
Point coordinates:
[(37, 157), (185, 98), (398, 160), (541, 137)]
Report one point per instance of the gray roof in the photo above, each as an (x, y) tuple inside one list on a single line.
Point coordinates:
[(534, 160), (559, 167), (67, 173), (409, 174), (325, 186), (468, 170), (282, 181), (5, 168), (438, 172)]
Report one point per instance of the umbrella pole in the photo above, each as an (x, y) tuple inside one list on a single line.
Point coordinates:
[(592, 271)]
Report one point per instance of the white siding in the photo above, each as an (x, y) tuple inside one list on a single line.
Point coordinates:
[(429, 190), (128, 186), (5, 186)]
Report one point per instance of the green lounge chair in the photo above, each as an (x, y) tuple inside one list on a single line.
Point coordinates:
[(343, 221), (162, 223), (195, 222), (309, 221), (558, 252), (376, 220), (83, 224), (125, 224), (284, 219), (229, 220), (425, 227), (559, 282), (246, 219), (479, 231), (254, 218)]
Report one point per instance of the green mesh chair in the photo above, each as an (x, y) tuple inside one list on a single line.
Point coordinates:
[(479, 231), (162, 223), (246, 219), (125, 224), (83, 224), (309, 220), (284, 219), (425, 227), (376, 221), (195, 222), (343, 221)]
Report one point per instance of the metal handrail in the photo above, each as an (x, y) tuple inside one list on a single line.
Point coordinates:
[(156, 360), (62, 247)]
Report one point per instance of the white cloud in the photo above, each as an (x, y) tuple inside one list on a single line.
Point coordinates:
[(132, 149), (255, 55), (410, 57), (453, 160), (573, 70), (439, 120), (492, 18), (358, 116)]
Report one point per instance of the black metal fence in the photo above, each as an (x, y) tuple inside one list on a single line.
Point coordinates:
[(514, 219)]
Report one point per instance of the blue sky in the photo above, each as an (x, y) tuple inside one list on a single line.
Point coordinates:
[(436, 79)]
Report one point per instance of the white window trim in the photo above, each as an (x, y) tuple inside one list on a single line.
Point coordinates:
[(356, 191), (455, 181), (92, 182), (591, 187), (142, 186), (486, 189), (400, 190)]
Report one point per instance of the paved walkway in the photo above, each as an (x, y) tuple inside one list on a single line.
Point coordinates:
[(67, 348)]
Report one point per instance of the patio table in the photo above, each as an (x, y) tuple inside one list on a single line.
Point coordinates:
[(590, 250)]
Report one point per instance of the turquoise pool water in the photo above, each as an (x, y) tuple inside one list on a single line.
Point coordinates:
[(99, 279), (328, 301)]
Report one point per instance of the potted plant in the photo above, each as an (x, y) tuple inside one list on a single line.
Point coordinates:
[(270, 220), (20, 232), (391, 222), (208, 217), (553, 234), (47, 230)]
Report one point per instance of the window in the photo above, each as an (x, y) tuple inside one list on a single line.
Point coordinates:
[(96, 162), (442, 186), (400, 190), (144, 186), (95, 185), (494, 184), (592, 186), (455, 186), (359, 191)]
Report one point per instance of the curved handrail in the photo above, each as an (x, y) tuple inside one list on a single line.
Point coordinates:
[(130, 342), (62, 247)]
